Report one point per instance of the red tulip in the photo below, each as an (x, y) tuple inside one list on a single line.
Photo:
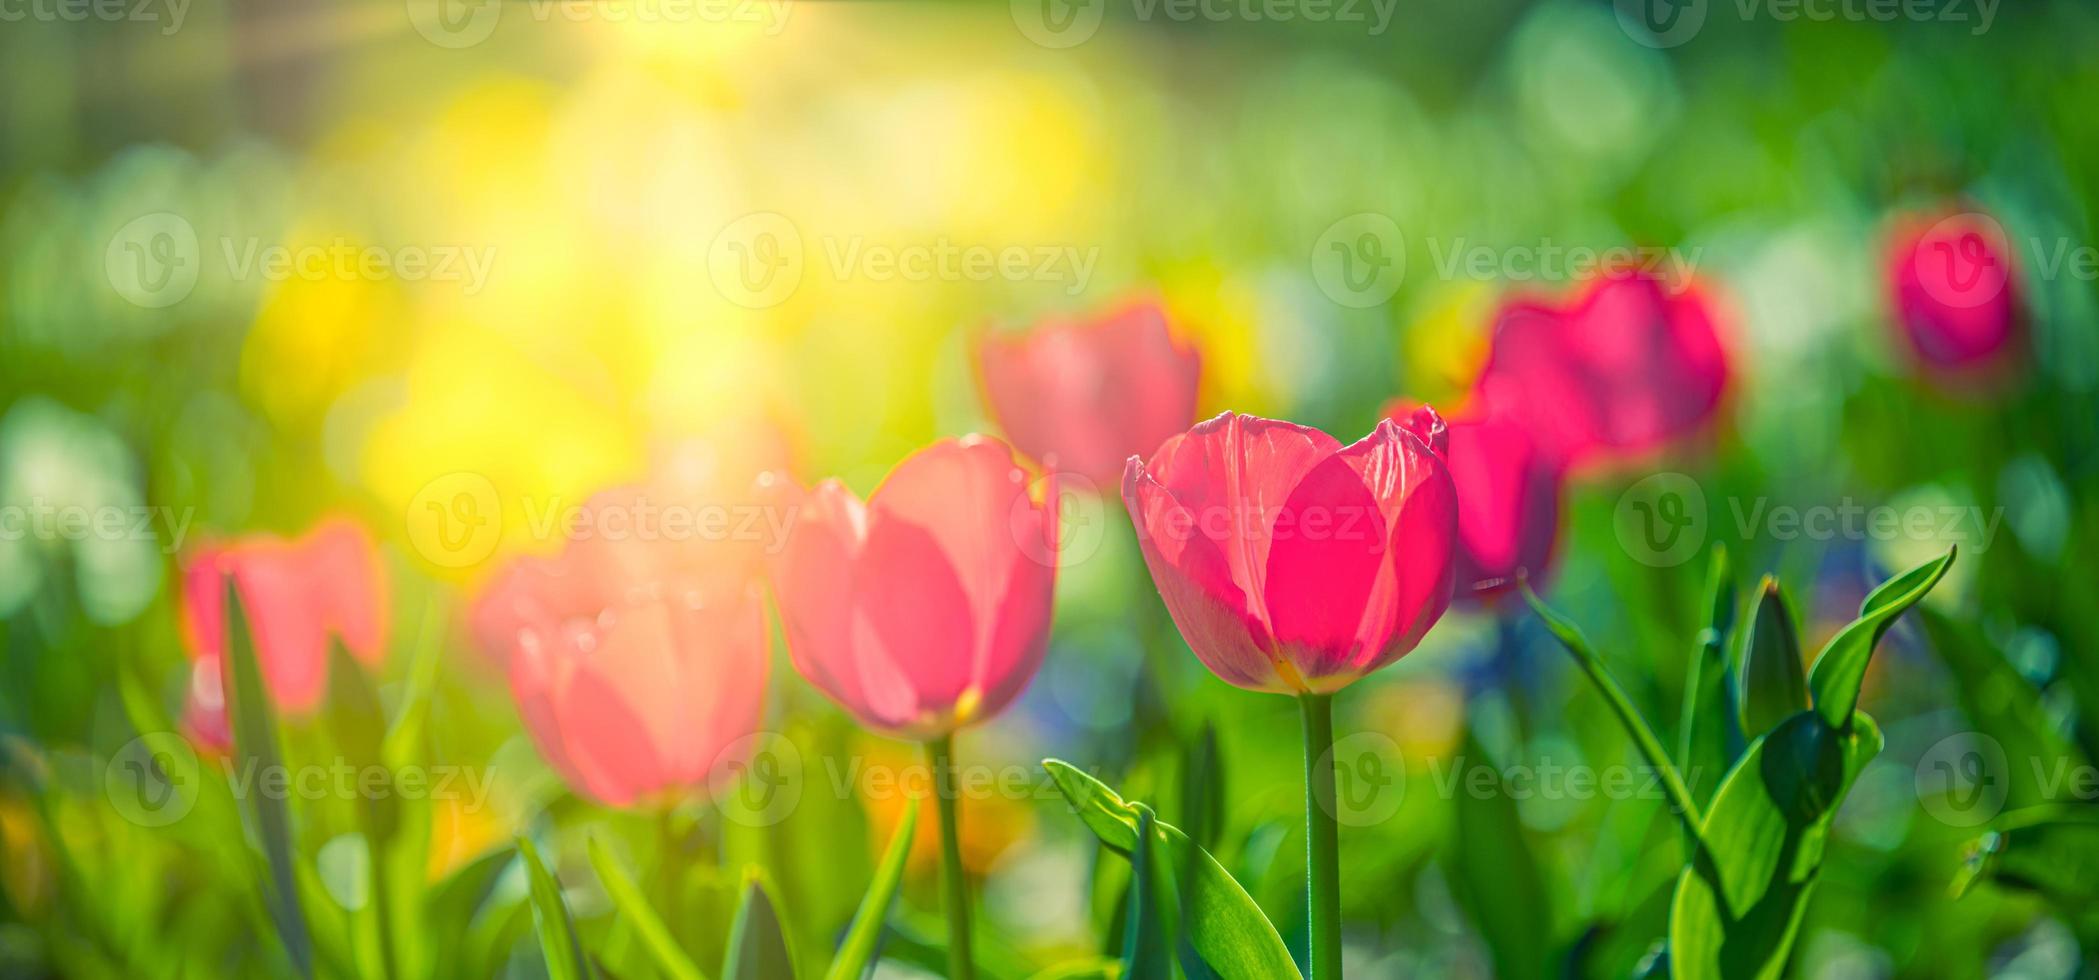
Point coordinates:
[(1081, 397), (1955, 293), (296, 595), (927, 607), (1508, 502), (1291, 563), (1629, 366)]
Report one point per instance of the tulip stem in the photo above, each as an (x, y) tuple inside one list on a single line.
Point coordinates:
[(1322, 847), (954, 891)]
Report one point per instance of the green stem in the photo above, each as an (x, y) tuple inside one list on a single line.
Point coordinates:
[(954, 891), (1322, 848)]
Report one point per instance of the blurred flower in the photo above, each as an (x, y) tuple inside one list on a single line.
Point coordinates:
[(1289, 562), (926, 608), (1508, 502), (1627, 367), (635, 675), (296, 596), (1082, 396), (1955, 294), (70, 502)]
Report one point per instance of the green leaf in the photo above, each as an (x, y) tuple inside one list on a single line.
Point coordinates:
[(636, 911), (758, 948), (1202, 788), (1570, 636), (1218, 919), (1840, 669), (858, 949), (255, 743), (550, 915), (2051, 850), (1774, 681), (1711, 732), (1495, 875), (1738, 906)]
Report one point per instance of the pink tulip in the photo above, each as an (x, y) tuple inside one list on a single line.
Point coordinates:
[(927, 607), (1955, 294), (1291, 563), (296, 595), (1082, 396), (1508, 502), (647, 696), (1629, 366), (638, 655)]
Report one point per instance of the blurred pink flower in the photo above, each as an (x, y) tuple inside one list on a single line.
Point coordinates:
[(1082, 396), (1291, 563), (1955, 294), (296, 594), (638, 655), (927, 607), (1508, 502), (1629, 366), (647, 694)]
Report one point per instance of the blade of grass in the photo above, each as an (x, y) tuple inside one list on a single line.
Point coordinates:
[(859, 946), (1570, 636), (635, 909), (255, 742)]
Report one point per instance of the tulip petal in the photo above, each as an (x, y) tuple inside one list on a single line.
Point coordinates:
[(1327, 554), (1195, 581), (1234, 474), (914, 631)]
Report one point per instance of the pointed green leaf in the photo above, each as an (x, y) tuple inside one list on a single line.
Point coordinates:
[(550, 915), (1841, 667), (635, 910), (1774, 681), (1202, 788), (1218, 919), (255, 742), (858, 949), (1738, 906), (1570, 637), (758, 948)]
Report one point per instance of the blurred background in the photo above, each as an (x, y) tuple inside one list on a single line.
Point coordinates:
[(263, 263)]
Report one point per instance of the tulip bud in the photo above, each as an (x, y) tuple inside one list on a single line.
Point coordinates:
[(1774, 682)]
